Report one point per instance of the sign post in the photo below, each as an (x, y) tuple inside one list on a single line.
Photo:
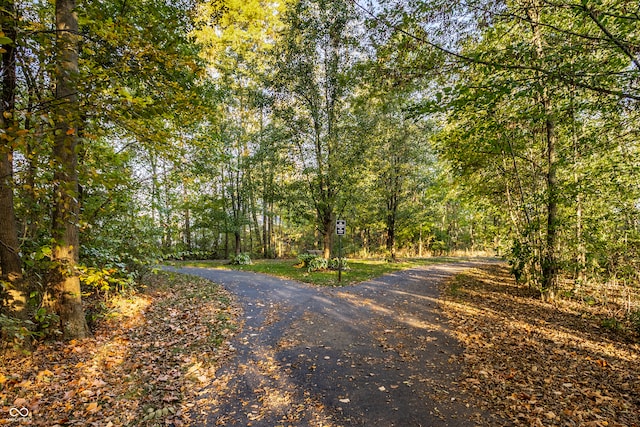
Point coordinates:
[(341, 230)]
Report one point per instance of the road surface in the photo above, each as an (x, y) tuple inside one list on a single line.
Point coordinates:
[(374, 354)]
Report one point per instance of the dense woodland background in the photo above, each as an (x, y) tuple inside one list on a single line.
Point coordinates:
[(134, 131)]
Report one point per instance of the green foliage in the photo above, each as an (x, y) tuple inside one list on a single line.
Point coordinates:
[(46, 323), (612, 324), (312, 262), (105, 272), (241, 259), (305, 259), (317, 264), (21, 332), (105, 280), (338, 263), (15, 331), (634, 319)]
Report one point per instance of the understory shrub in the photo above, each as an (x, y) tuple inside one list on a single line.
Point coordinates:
[(316, 263), (338, 263), (241, 259), (305, 259)]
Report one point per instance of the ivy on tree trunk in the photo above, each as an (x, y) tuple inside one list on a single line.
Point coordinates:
[(65, 283)]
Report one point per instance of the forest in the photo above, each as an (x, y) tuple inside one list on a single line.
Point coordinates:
[(135, 131)]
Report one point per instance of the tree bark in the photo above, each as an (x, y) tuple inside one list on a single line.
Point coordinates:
[(392, 211), (549, 256), (327, 232), (549, 263), (187, 215), (9, 243), (10, 263), (65, 283)]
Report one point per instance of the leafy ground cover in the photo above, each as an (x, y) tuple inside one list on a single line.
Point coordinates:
[(533, 363), (145, 364), (359, 270)]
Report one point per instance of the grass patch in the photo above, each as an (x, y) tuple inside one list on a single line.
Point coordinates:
[(360, 270)]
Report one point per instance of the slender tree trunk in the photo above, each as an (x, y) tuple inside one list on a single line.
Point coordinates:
[(327, 233), (65, 285), (581, 256), (392, 211), (32, 215), (167, 240), (9, 243), (265, 227), (270, 232), (549, 264), (549, 255), (187, 215)]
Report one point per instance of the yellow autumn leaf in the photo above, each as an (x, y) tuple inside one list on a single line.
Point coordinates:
[(92, 408)]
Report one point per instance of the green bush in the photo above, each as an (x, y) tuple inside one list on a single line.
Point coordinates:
[(21, 331), (338, 263), (241, 259), (305, 259), (317, 263)]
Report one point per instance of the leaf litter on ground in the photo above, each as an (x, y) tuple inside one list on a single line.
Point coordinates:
[(534, 363), (145, 365)]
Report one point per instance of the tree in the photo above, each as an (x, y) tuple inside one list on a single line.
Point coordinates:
[(65, 284), (10, 263), (9, 246), (529, 80), (313, 83)]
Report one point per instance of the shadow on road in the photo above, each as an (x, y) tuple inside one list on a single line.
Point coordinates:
[(375, 354)]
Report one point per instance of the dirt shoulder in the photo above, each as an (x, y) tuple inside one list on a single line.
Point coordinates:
[(536, 364)]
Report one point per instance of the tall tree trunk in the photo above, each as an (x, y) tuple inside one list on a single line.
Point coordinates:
[(549, 263), (549, 255), (270, 232), (187, 216), (327, 232), (10, 262), (265, 227), (392, 211), (9, 244), (9, 257), (65, 284), (581, 255)]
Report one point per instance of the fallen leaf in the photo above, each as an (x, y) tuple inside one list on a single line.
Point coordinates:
[(92, 408)]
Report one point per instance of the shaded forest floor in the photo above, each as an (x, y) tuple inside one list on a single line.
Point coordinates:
[(532, 363), (145, 364)]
